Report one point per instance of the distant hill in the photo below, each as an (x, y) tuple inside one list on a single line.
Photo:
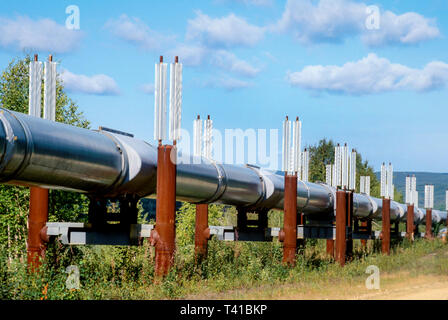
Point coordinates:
[(439, 180)]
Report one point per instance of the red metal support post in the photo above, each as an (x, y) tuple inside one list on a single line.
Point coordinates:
[(290, 220), (364, 224), (444, 237), (301, 243), (349, 224), (410, 223), (385, 233), (37, 220), (330, 247), (428, 234), (341, 226), (163, 237), (202, 232)]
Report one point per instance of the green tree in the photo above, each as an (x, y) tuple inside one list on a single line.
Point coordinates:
[(14, 201), (323, 154), (218, 215)]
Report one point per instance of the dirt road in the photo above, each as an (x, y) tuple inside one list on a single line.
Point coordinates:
[(400, 286), (393, 287), (421, 288)]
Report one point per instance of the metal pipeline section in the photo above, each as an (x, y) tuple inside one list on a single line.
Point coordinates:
[(38, 152)]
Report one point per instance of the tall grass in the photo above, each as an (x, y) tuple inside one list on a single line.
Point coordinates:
[(128, 272)]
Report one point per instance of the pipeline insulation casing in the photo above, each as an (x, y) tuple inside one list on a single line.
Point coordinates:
[(38, 152)]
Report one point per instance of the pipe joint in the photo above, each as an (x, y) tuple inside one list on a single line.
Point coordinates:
[(281, 235), (154, 238), (44, 235), (206, 233)]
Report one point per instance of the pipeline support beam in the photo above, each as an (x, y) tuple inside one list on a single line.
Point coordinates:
[(349, 247), (301, 243), (37, 219), (108, 164), (410, 223), (364, 225), (290, 220), (428, 233), (164, 234), (330, 247), (385, 233), (344, 242), (202, 232)]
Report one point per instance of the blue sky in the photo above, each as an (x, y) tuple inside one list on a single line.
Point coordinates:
[(248, 63)]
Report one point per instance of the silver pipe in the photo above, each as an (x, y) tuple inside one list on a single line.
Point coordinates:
[(38, 152)]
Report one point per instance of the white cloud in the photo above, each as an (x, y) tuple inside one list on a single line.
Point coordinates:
[(136, 32), (229, 62), (328, 21), (371, 74), (99, 84), (147, 88), (194, 55), (227, 31), (206, 44), (258, 3), (191, 55), (23, 33), (336, 20), (229, 84), (408, 28)]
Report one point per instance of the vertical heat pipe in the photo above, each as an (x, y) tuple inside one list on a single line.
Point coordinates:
[(305, 165), (362, 184), (286, 145), (328, 174), (35, 88), (38, 211), (208, 127), (367, 185), (385, 233), (352, 180), (50, 90), (160, 101), (197, 137), (175, 99), (389, 182), (383, 191), (297, 146)]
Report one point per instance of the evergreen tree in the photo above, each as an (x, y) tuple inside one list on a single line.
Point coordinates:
[(323, 154), (14, 201)]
